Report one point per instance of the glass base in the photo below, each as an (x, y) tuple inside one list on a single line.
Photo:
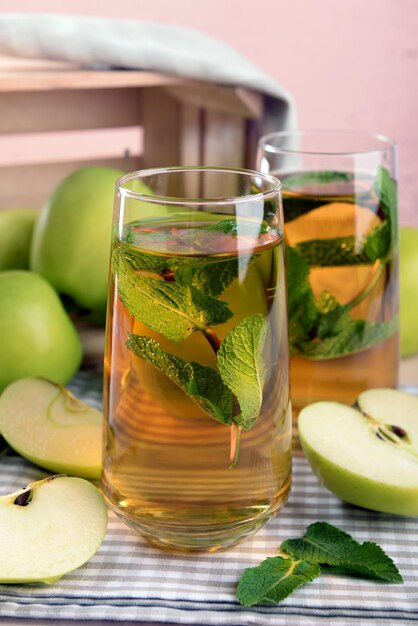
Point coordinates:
[(209, 539)]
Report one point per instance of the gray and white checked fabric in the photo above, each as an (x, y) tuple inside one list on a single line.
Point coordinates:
[(129, 580)]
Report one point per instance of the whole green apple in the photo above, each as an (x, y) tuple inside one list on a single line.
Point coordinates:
[(16, 228), (71, 241), (37, 336), (408, 278)]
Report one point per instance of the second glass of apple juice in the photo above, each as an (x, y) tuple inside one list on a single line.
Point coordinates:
[(198, 420), (341, 234)]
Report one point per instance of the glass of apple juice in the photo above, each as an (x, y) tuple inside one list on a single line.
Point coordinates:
[(341, 234), (198, 421)]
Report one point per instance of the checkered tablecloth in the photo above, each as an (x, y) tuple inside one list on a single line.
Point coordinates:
[(129, 580)]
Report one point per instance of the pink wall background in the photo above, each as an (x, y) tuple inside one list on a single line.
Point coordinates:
[(349, 63)]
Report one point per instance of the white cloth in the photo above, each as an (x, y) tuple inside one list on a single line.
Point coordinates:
[(95, 42)]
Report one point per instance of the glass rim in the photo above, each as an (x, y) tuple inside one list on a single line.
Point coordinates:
[(174, 201), (387, 142)]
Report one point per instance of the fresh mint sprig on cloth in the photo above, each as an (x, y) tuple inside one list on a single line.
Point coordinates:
[(322, 545)]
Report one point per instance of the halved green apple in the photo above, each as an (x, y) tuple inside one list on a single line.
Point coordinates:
[(366, 456), (50, 528), (47, 425)]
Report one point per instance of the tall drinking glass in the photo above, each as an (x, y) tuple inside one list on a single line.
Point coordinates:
[(340, 213), (198, 421)]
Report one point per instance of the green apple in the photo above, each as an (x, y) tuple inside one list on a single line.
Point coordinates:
[(409, 290), (50, 528), (71, 241), (47, 425), (16, 228), (366, 456), (37, 336)]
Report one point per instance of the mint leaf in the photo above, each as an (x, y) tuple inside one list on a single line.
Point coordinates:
[(330, 252), (377, 243), (325, 544), (315, 178), (386, 189), (302, 192), (201, 383), (172, 309), (350, 336), (341, 251), (301, 303), (274, 579), (131, 260), (332, 316), (211, 278), (242, 228), (323, 328), (242, 368)]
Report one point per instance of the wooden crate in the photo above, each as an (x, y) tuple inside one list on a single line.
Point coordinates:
[(181, 122)]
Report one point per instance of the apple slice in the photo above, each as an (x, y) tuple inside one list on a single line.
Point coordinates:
[(50, 528), (367, 457), (47, 425)]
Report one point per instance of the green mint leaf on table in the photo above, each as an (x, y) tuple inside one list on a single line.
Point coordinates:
[(201, 383), (322, 545), (274, 579), (350, 336), (242, 368), (325, 544), (172, 309)]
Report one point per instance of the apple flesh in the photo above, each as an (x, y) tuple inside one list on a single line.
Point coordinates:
[(47, 425), (367, 457), (51, 527)]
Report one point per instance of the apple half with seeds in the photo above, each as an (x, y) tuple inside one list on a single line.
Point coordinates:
[(50, 528), (47, 425), (367, 456)]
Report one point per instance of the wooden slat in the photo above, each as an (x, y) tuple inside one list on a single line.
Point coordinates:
[(191, 143), (224, 145), (160, 120), (22, 80), (239, 102), (68, 110), (31, 185), (224, 140)]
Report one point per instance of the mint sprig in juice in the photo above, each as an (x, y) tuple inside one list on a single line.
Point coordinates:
[(197, 441)]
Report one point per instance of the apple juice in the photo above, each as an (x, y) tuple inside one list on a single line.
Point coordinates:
[(177, 466), (340, 235)]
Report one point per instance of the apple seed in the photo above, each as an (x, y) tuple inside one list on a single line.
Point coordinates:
[(400, 432), (24, 498)]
